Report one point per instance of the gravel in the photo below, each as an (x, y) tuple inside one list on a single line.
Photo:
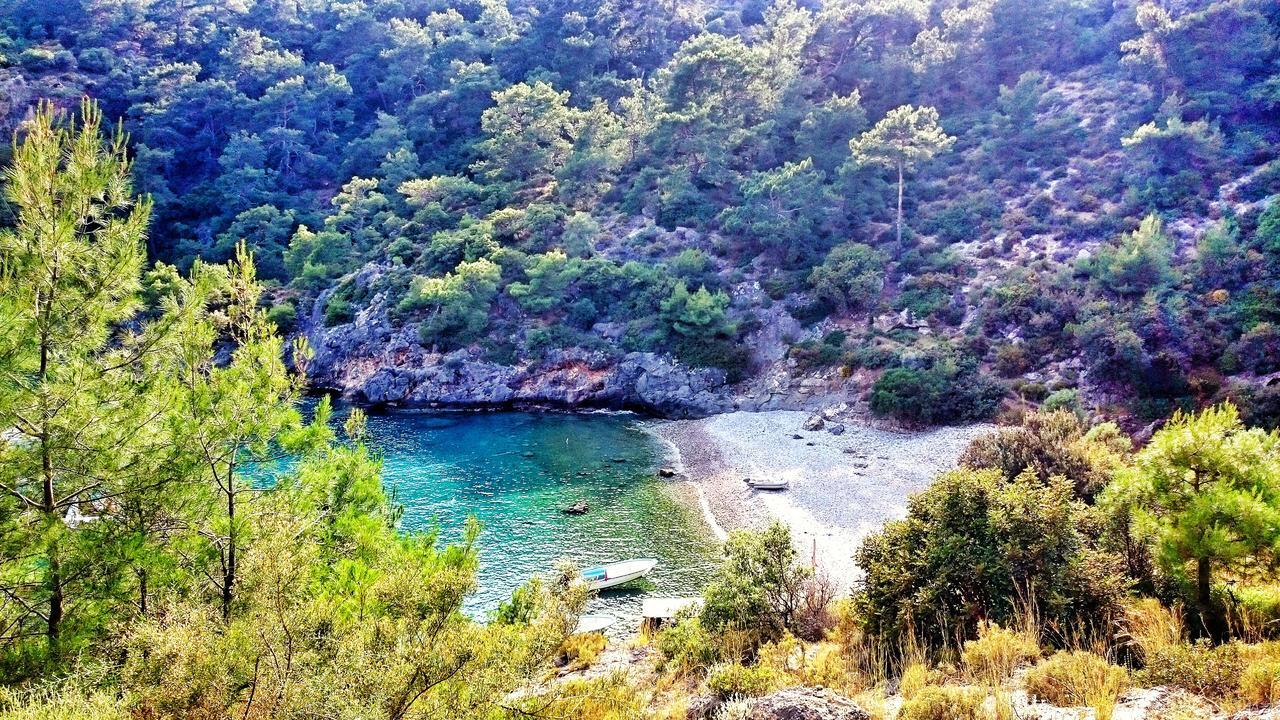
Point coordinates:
[(842, 487)]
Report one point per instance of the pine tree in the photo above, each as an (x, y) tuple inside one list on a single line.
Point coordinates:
[(1208, 491), (76, 417), (905, 137)]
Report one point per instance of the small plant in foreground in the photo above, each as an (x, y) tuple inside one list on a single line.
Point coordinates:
[(1072, 679), (732, 680), (944, 703), (997, 651)]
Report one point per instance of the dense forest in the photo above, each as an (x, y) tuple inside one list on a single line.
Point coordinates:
[(938, 205)]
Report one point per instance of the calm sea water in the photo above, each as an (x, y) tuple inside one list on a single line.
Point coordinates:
[(516, 471)]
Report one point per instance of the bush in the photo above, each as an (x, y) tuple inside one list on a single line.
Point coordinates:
[(1071, 679), (284, 316), (687, 647), (1067, 399), (61, 704), (997, 651), (941, 394), (977, 545), (1200, 668), (763, 586), (944, 703), (915, 677), (733, 680), (1052, 443)]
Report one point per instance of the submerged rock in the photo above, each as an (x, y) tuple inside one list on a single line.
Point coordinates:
[(578, 508)]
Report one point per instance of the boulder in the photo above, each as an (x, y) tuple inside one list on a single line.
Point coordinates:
[(815, 422), (836, 429), (666, 472), (805, 703)]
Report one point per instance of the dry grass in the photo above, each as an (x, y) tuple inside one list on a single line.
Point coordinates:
[(579, 651), (915, 677), (1148, 627), (993, 657), (944, 702), (1260, 683), (1079, 678)]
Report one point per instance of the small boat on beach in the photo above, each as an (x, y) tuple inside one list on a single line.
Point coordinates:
[(614, 574), (588, 624), (770, 484)]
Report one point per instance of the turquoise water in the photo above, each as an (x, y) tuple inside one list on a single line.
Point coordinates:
[(515, 471)]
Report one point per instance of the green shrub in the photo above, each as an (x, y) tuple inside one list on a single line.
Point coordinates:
[(977, 545), (1200, 668), (338, 310), (1071, 679), (944, 703), (284, 316), (733, 680), (687, 647), (941, 394), (1065, 399)]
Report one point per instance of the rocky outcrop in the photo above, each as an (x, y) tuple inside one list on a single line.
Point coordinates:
[(804, 703), (369, 360)]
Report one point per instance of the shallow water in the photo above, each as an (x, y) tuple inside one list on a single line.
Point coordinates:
[(515, 471)]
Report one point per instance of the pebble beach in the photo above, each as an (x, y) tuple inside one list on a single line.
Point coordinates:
[(841, 486)]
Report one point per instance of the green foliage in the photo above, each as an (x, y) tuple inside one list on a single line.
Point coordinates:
[(977, 545), (457, 304), (1053, 443), (851, 277), (84, 426), (761, 586), (782, 210), (687, 647), (1205, 489), (943, 393), (1139, 262), (732, 680)]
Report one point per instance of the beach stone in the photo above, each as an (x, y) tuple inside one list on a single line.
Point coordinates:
[(797, 436), (805, 703), (815, 422), (836, 429), (578, 508)]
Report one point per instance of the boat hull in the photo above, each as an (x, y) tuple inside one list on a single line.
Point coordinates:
[(609, 576)]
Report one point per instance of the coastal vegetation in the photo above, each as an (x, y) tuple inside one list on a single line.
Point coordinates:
[(1060, 214)]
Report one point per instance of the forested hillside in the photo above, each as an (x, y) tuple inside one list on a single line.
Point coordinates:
[(926, 206)]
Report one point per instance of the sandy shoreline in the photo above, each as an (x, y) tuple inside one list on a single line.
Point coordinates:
[(842, 486)]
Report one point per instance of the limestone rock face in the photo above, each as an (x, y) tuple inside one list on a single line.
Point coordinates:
[(804, 703), (370, 361)]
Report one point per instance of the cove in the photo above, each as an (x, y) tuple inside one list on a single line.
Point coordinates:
[(516, 471)]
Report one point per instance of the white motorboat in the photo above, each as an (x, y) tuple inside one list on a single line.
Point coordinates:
[(593, 624), (614, 574), (770, 484)]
